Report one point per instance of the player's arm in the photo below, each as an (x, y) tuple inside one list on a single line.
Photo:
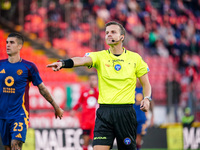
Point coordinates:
[(46, 94), (77, 106), (72, 62), (79, 103), (145, 103)]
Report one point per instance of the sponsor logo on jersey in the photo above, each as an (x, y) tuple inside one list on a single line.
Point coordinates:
[(91, 102), (2, 71), (19, 72), (118, 67), (100, 138), (8, 90), (127, 141), (118, 60), (9, 81)]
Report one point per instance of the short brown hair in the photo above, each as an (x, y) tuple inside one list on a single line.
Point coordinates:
[(123, 31), (18, 36)]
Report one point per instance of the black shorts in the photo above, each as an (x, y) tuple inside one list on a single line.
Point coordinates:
[(116, 121)]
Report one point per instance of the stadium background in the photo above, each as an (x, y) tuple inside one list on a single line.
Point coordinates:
[(165, 33)]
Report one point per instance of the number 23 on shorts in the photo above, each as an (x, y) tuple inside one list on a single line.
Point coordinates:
[(18, 126), (19, 131)]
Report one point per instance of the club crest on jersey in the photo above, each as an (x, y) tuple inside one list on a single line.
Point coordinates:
[(19, 72), (127, 141), (118, 67), (91, 92)]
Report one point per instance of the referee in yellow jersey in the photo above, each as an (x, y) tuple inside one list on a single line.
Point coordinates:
[(118, 70)]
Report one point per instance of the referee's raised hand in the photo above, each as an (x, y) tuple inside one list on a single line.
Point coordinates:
[(56, 66)]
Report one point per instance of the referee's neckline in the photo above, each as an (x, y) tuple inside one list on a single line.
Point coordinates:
[(117, 54)]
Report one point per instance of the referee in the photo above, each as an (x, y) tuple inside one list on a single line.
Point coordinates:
[(117, 70)]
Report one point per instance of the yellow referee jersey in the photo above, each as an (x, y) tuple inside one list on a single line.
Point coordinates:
[(117, 75)]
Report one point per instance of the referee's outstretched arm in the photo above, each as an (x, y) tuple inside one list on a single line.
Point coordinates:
[(72, 62)]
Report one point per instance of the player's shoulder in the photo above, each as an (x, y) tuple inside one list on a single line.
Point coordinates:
[(102, 52), (85, 93), (29, 64), (89, 91), (133, 53), (86, 90), (3, 60)]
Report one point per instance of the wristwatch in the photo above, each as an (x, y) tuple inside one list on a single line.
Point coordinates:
[(148, 97), (63, 63)]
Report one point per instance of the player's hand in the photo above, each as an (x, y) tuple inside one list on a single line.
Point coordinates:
[(145, 104), (59, 113), (56, 66)]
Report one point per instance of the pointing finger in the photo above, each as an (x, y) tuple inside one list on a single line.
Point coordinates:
[(51, 65)]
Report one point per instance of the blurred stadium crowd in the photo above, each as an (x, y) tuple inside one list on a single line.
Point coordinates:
[(166, 33)]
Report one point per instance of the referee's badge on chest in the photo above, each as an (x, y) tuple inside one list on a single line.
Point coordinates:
[(117, 67)]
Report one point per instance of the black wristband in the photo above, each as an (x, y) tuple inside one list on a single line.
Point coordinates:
[(68, 63)]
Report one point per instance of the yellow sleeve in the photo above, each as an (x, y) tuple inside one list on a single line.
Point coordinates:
[(141, 68), (95, 60)]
